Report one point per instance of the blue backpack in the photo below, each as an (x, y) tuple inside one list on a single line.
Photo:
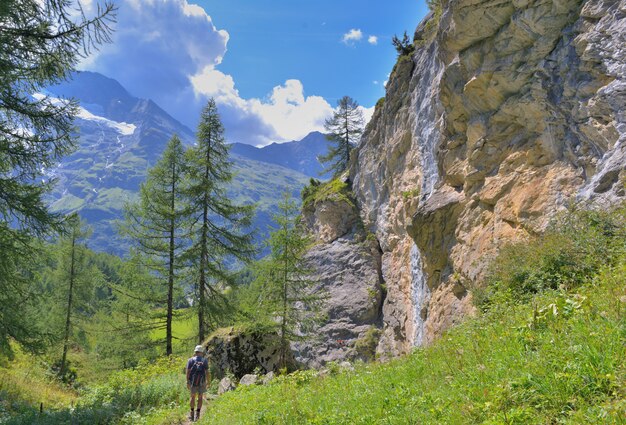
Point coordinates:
[(197, 372)]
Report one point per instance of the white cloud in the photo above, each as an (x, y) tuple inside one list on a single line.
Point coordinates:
[(157, 45), (352, 36), (372, 39), (169, 51), (286, 115)]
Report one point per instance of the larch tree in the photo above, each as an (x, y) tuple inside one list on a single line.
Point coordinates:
[(343, 131), (288, 296), (157, 225), (41, 42), (69, 283), (125, 325), (78, 278), (220, 230)]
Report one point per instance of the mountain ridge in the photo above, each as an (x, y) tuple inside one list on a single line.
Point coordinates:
[(300, 155)]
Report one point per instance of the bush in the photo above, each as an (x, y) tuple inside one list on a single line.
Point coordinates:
[(309, 190), (366, 345), (574, 248)]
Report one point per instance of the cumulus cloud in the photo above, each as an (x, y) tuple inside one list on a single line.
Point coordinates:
[(352, 36), (170, 51), (156, 45), (287, 115), (373, 40)]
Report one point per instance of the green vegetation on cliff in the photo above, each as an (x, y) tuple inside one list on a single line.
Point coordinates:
[(334, 190)]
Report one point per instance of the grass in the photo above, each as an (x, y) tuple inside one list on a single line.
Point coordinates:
[(411, 194), (559, 362), (24, 384), (152, 393), (547, 348)]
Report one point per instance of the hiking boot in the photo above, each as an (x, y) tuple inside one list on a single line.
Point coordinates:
[(191, 417), (197, 414)]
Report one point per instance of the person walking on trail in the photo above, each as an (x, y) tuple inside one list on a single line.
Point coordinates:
[(197, 378)]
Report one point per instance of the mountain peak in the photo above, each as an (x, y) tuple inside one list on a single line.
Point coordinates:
[(299, 155), (93, 88)]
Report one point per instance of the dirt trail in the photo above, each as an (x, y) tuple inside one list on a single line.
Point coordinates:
[(206, 401)]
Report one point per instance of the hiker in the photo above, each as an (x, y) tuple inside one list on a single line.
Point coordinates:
[(197, 378)]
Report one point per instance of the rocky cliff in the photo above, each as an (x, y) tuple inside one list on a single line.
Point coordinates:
[(505, 112), (346, 265)]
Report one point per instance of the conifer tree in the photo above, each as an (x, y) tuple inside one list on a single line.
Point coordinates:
[(40, 44), (404, 46), (288, 296), (157, 224), (69, 285), (220, 227), (73, 260), (344, 130)]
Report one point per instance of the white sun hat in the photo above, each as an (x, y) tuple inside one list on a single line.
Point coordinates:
[(199, 349)]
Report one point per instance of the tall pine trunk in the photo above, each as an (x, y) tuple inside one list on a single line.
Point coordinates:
[(170, 280), (283, 330), (70, 297)]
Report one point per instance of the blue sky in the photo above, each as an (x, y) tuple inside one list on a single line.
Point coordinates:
[(275, 67), (272, 41)]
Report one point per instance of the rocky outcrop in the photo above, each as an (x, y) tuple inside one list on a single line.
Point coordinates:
[(345, 263), (225, 385), (241, 351), (505, 113)]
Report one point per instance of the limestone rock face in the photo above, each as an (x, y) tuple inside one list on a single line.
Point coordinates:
[(346, 266), (505, 113)]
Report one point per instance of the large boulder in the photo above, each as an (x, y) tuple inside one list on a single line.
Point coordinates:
[(249, 379), (244, 350), (225, 385)]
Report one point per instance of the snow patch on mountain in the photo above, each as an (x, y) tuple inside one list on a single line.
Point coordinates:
[(125, 129)]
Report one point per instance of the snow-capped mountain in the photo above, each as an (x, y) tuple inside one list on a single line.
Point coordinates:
[(120, 137)]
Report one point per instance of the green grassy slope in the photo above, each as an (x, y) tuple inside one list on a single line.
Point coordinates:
[(153, 393), (24, 385), (548, 347), (558, 359)]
